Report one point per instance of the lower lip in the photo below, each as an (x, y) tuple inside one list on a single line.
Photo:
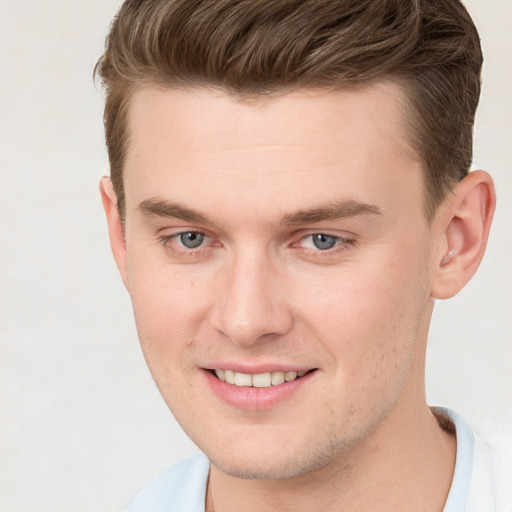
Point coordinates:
[(255, 399)]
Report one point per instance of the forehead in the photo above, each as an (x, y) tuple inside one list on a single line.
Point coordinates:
[(288, 148), (221, 116)]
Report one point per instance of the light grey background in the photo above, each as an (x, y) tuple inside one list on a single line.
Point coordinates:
[(82, 426)]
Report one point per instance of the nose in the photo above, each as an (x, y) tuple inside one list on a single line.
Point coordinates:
[(251, 305)]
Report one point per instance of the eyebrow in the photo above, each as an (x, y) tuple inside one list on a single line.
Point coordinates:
[(166, 209), (332, 211)]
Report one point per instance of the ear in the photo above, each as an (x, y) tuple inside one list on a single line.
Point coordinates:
[(115, 227), (465, 220)]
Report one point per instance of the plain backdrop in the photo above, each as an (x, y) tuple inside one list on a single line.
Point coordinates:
[(82, 426)]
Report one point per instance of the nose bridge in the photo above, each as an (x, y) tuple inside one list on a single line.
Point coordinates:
[(251, 306)]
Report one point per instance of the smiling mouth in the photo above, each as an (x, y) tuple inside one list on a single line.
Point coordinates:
[(259, 380)]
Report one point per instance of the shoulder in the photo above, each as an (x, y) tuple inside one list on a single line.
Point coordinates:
[(492, 471), (474, 484), (483, 489), (181, 487)]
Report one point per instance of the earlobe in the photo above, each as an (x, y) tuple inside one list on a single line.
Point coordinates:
[(465, 224), (115, 226)]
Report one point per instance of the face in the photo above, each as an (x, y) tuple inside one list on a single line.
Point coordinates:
[(278, 260)]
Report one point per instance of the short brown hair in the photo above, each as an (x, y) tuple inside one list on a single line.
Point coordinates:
[(430, 48)]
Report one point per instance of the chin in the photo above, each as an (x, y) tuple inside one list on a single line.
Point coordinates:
[(278, 463), (255, 470)]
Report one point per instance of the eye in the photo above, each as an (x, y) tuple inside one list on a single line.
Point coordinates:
[(324, 242), (321, 241), (191, 239), (195, 245)]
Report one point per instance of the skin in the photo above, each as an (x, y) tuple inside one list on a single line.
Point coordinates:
[(259, 180)]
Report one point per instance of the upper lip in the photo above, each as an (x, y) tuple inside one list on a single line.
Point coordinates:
[(259, 368)]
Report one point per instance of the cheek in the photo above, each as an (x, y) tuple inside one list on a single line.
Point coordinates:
[(168, 306), (164, 321), (368, 316), (163, 294)]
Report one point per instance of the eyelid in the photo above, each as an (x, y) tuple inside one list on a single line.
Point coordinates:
[(344, 241), (310, 236), (172, 244), (343, 235)]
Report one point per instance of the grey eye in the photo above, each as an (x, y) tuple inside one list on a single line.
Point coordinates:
[(191, 239), (323, 242)]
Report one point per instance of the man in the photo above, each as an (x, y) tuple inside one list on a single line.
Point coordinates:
[(289, 194)]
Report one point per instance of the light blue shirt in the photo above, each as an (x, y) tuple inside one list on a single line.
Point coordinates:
[(182, 488)]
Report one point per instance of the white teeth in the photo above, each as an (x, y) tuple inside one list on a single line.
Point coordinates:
[(243, 379), (288, 376), (262, 380), (259, 380), (277, 378)]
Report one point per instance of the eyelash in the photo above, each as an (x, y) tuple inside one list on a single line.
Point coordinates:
[(175, 248), (341, 244)]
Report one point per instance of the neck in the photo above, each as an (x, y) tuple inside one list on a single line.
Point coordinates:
[(406, 464)]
